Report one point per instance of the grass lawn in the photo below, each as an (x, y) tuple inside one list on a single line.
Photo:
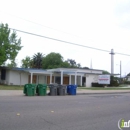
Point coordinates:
[(7, 87), (11, 87)]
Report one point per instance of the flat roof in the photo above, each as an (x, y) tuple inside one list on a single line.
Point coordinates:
[(72, 69)]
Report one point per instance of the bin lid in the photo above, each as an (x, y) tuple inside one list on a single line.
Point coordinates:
[(53, 85), (64, 86)]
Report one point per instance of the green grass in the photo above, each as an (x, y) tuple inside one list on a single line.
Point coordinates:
[(12, 87), (7, 87)]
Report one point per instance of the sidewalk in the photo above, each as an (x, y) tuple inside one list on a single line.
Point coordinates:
[(79, 92), (83, 92)]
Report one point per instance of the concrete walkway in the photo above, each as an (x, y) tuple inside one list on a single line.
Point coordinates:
[(11, 92), (79, 92), (83, 91)]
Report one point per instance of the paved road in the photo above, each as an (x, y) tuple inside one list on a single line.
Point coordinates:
[(81, 112)]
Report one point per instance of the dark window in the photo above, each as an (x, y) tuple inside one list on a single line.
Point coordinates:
[(3, 74), (57, 80)]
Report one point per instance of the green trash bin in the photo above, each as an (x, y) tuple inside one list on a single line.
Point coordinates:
[(30, 89), (41, 89), (25, 89)]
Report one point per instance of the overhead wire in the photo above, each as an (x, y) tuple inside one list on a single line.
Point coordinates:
[(59, 31), (72, 43)]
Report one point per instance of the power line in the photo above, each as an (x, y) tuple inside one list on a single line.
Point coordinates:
[(72, 43), (57, 30), (59, 40), (40, 24)]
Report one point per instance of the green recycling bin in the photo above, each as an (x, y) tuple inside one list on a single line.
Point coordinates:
[(29, 89), (25, 89), (41, 89)]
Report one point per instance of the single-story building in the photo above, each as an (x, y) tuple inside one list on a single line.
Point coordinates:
[(21, 76)]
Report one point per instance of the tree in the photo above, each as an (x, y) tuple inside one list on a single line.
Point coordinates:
[(73, 63), (78, 65), (128, 74), (65, 64), (105, 72), (37, 60), (85, 68), (12, 64), (53, 60), (9, 44), (26, 63)]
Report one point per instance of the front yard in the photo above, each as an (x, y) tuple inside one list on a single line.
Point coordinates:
[(7, 87), (13, 87)]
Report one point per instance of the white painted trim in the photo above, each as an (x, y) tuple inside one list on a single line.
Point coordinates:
[(31, 78), (50, 78), (86, 82), (54, 79), (61, 77), (81, 80), (75, 78), (69, 79), (20, 78)]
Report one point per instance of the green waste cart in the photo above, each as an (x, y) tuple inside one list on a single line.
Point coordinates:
[(25, 89), (41, 89), (29, 89)]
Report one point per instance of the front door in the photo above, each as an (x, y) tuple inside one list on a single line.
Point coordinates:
[(48, 79), (66, 80), (34, 79)]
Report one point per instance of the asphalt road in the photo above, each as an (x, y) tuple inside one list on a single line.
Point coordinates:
[(81, 112)]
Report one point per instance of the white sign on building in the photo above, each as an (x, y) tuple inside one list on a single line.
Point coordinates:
[(104, 79)]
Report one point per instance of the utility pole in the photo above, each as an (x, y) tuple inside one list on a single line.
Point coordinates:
[(112, 61), (120, 71)]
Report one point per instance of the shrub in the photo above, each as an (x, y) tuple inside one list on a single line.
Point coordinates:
[(96, 84), (126, 82)]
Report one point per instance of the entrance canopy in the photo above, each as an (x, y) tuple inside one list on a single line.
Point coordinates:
[(38, 71), (75, 72), (61, 72)]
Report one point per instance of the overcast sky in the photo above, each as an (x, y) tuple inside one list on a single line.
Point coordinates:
[(103, 24)]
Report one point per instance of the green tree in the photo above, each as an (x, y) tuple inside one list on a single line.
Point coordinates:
[(53, 60), (85, 68), (65, 64), (73, 63), (78, 65), (37, 60), (105, 72), (26, 63), (9, 44), (128, 74), (12, 64)]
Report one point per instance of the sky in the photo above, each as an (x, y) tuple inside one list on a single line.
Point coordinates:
[(103, 24)]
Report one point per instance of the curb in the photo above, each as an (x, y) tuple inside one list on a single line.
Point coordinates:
[(101, 93)]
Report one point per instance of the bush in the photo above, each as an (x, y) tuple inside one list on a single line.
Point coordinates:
[(114, 82), (126, 82), (97, 85)]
